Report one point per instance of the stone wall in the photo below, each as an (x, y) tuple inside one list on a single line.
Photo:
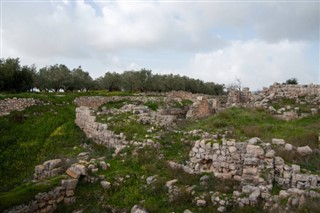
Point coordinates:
[(49, 168), (252, 163), (311, 94), (86, 120), (10, 104), (186, 95), (91, 101), (291, 91), (200, 108), (47, 202)]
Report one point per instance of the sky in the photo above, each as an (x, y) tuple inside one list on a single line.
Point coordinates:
[(257, 42)]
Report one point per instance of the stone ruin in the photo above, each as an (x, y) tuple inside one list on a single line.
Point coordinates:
[(254, 164), (301, 94), (11, 104)]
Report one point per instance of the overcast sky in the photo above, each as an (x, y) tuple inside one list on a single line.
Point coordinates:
[(258, 42)]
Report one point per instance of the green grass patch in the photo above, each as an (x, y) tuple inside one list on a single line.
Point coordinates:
[(26, 192), (152, 105), (247, 123), (115, 104)]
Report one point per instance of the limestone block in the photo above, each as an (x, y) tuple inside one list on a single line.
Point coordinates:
[(254, 150), (304, 150), (232, 149), (76, 170), (138, 209), (288, 147), (277, 141), (69, 184), (270, 154), (105, 184)]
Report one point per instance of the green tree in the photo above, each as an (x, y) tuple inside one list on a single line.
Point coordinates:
[(292, 81), (81, 80), (111, 81), (15, 78)]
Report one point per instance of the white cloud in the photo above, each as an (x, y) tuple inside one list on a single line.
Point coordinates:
[(256, 63), (161, 36)]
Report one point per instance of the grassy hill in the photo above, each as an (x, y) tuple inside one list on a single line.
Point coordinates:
[(48, 131)]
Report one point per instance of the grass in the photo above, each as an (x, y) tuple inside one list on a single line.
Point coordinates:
[(152, 105), (181, 104), (116, 104), (30, 137), (45, 132), (27, 191), (247, 123)]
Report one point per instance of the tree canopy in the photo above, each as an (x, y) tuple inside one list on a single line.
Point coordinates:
[(59, 77)]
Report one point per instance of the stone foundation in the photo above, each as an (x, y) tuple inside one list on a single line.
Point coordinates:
[(252, 163), (11, 104), (47, 202)]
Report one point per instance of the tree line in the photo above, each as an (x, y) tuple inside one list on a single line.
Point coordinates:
[(58, 77)]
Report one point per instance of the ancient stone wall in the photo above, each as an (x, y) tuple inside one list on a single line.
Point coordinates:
[(10, 104), (91, 101), (86, 120), (47, 202), (49, 168), (186, 95), (301, 93), (200, 108), (253, 163), (291, 90)]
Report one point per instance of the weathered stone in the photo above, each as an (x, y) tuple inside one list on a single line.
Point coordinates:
[(283, 194), (170, 183), (295, 168), (270, 154), (105, 184), (288, 147), (103, 165), (151, 179), (254, 150), (277, 141), (69, 193), (253, 197), (254, 140), (201, 202), (69, 200), (138, 209), (76, 170), (221, 209), (69, 184), (304, 150), (49, 168)]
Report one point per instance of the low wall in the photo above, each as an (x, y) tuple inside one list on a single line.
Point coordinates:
[(47, 202), (11, 104), (254, 165), (86, 120)]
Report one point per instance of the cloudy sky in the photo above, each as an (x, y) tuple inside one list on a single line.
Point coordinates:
[(258, 42)]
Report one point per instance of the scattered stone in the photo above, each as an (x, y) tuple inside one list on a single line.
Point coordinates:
[(277, 141), (288, 147), (76, 170), (170, 183), (138, 209), (49, 168), (151, 179), (304, 150), (69, 201), (201, 202), (222, 209), (69, 184), (83, 156), (105, 184)]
